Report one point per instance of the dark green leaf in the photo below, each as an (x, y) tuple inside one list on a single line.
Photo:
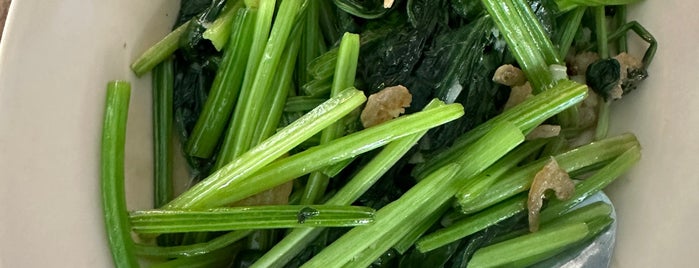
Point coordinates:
[(603, 76), (467, 9), (458, 68)]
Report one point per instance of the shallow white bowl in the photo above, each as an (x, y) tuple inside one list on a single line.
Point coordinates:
[(56, 57)]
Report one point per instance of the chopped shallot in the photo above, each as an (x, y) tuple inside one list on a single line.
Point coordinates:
[(509, 75)]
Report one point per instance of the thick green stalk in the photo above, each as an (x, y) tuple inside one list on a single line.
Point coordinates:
[(346, 65), (594, 226), (474, 160), (218, 258), (288, 248), (621, 12), (596, 182), (537, 32), (567, 5), (586, 214), (345, 71), (642, 32), (471, 224), (335, 169), (602, 119), (327, 22), (192, 250), (343, 78), (231, 146), (478, 185), (251, 105), (349, 146), (556, 209), (302, 103), (298, 239), (112, 174), (416, 231), (163, 80), (361, 246), (315, 187), (276, 101), (318, 87), (557, 213), (598, 225), (310, 39), (221, 29), (379, 165), (526, 40), (245, 218), (570, 26), (578, 159), (601, 32), (344, 251), (583, 214), (159, 52), (255, 159), (526, 116), (557, 145), (603, 51), (524, 250), (224, 91), (323, 66)]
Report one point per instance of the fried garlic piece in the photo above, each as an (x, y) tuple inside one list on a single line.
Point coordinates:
[(550, 177), (385, 105)]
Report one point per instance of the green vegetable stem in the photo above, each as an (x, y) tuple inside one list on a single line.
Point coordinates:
[(159, 52), (245, 218), (271, 149), (163, 79), (527, 250), (224, 91), (575, 161), (220, 30), (295, 241), (361, 246), (239, 186), (344, 78), (263, 62), (112, 174), (526, 116)]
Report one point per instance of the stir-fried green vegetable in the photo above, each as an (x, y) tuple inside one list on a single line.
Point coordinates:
[(112, 174), (271, 100)]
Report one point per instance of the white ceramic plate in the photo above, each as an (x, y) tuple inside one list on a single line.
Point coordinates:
[(56, 57)]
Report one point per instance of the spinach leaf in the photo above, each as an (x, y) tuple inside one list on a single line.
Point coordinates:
[(603, 76), (467, 9), (458, 68), (391, 59), (367, 9), (191, 8), (195, 67), (192, 83), (545, 11)]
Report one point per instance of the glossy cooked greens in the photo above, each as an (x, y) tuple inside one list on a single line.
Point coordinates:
[(275, 74)]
